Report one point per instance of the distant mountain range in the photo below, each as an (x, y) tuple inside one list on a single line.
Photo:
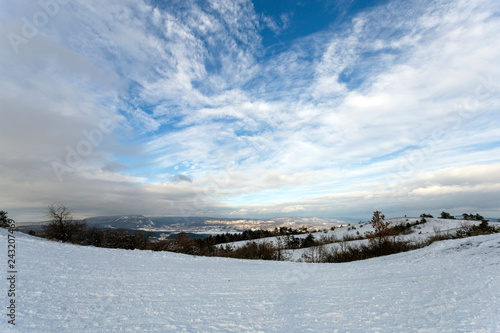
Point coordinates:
[(120, 221), (203, 225)]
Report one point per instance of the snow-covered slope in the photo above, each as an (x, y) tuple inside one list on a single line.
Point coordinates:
[(419, 232), (451, 286)]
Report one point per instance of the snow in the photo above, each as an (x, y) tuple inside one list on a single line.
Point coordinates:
[(450, 286), (420, 232)]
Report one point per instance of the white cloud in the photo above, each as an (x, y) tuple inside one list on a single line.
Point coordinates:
[(325, 121)]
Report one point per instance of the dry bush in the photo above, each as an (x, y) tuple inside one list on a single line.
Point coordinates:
[(350, 238), (163, 245), (251, 250), (351, 252), (328, 239), (315, 254), (120, 239)]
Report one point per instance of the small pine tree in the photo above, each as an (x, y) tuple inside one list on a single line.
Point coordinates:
[(308, 241), (381, 229), (4, 220)]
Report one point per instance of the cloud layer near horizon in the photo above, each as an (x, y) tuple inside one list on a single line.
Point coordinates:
[(180, 109)]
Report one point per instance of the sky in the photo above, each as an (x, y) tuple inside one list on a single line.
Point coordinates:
[(250, 109)]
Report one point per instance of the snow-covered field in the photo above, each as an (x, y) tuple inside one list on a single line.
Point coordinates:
[(450, 286)]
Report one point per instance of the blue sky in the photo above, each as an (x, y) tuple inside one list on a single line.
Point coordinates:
[(250, 109)]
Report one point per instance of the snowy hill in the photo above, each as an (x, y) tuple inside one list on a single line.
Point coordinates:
[(419, 232), (449, 286)]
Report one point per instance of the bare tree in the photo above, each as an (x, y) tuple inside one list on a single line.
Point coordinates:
[(61, 225)]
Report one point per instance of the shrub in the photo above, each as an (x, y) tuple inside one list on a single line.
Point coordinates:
[(472, 217), (445, 215), (315, 254), (381, 229), (163, 245), (475, 230), (251, 250), (351, 252), (308, 241), (186, 244), (120, 239), (292, 242), (349, 237), (93, 237), (403, 228)]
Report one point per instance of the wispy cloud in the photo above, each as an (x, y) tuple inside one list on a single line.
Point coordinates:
[(346, 119)]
